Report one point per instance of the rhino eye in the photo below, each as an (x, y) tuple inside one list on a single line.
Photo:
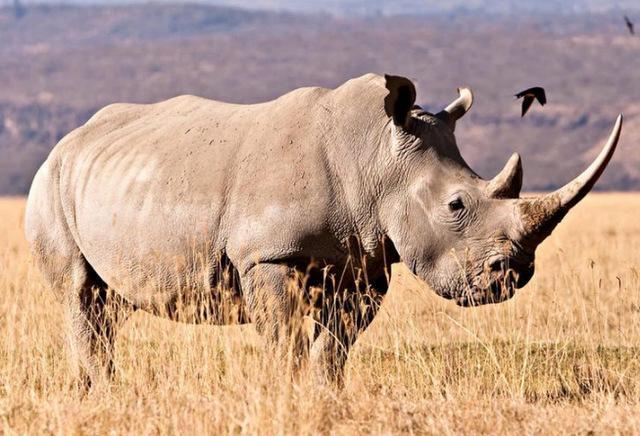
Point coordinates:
[(456, 205)]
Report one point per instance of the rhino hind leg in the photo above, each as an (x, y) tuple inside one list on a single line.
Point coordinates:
[(93, 314), (92, 311)]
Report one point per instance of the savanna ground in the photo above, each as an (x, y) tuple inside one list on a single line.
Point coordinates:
[(562, 356)]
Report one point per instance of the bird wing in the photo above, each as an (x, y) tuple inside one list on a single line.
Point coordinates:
[(629, 25), (523, 93), (540, 95), (526, 103)]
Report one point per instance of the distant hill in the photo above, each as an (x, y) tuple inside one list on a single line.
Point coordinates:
[(59, 64)]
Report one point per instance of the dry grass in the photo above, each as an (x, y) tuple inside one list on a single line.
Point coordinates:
[(562, 356)]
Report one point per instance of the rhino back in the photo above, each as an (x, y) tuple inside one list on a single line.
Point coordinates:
[(153, 192)]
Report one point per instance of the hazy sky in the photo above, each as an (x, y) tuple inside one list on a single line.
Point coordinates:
[(368, 7)]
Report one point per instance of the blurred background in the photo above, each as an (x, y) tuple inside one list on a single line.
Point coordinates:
[(62, 60)]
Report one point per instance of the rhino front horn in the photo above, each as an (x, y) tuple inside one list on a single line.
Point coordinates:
[(541, 215)]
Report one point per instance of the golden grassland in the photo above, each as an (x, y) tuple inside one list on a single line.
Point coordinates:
[(562, 356)]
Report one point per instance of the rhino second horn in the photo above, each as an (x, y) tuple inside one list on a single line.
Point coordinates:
[(541, 215), (457, 108), (508, 182)]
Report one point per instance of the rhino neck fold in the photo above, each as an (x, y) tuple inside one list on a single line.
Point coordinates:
[(357, 189)]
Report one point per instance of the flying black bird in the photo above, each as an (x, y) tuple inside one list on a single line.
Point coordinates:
[(531, 94), (629, 25)]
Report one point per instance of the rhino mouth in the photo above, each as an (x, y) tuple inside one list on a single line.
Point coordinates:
[(497, 283), (497, 290)]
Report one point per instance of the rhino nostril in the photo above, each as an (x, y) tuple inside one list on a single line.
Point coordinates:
[(497, 266)]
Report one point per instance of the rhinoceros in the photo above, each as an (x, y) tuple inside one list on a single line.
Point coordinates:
[(213, 210)]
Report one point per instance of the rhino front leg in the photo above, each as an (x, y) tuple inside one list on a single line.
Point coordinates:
[(342, 321), (274, 298), (328, 357)]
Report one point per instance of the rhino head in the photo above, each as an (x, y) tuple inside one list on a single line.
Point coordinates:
[(471, 240)]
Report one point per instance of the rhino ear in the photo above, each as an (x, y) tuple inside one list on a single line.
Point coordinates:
[(457, 108), (400, 100)]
